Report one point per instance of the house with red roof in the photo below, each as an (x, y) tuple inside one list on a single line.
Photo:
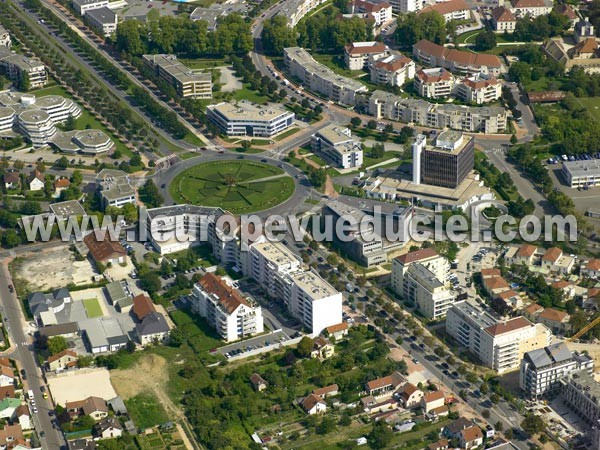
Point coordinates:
[(433, 400), (450, 10), (591, 268), (503, 20), (357, 54), (521, 255), (557, 321), (313, 404), (531, 8), (411, 396), (385, 385)]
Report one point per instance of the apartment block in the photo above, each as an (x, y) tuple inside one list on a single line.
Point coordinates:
[(379, 11), (431, 295), (319, 78), (498, 344), (451, 10), (187, 82), (335, 144), (458, 61), (486, 119), (406, 6), (115, 188), (17, 66), (249, 119), (231, 314), (357, 54), (479, 89), (427, 257), (581, 393), (394, 70), (103, 19), (295, 10), (531, 8), (434, 83), (269, 263), (82, 6), (543, 369)]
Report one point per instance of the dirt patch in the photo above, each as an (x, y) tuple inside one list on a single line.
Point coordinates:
[(51, 269), (80, 384), (329, 188)]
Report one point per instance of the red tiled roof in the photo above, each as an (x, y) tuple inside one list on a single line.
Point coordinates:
[(418, 255), (427, 78), (433, 396), (103, 249), (593, 264), (553, 315), (561, 284), (480, 84), (393, 66), (508, 326), (528, 3), (338, 327), (447, 7), (494, 283), (471, 434), (326, 390), (66, 352), (503, 14), (552, 254), (310, 401), (490, 273), (566, 10), (526, 250), (62, 183), (229, 297), (377, 47), (533, 308), (457, 56), (142, 306)]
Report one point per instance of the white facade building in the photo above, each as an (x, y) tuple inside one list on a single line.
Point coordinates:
[(395, 70), (249, 119), (225, 309), (451, 10), (434, 83), (479, 89), (498, 344), (103, 19), (335, 144), (427, 257), (583, 174), (431, 295), (543, 369), (319, 78), (357, 54), (82, 6)]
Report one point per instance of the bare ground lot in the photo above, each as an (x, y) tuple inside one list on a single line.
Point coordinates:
[(80, 384), (51, 269)]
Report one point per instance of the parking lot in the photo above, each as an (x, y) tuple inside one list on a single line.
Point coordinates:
[(253, 343)]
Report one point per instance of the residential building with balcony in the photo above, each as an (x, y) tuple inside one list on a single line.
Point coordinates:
[(335, 144), (434, 55), (187, 82), (17, 66), (543, 369), (427, 257), (434, 83), (450, 10), (479, 89), (394, 70), (431, 295), (231, 314), (581, 393), (357, 54)]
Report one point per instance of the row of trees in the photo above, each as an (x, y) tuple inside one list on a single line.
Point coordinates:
[(541, 27), (185, 37), (431, 25)]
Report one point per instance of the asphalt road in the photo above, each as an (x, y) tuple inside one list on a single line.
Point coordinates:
[(303, 188), (25, 357)]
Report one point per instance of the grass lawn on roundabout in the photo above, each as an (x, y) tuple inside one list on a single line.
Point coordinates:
[(236, 186)]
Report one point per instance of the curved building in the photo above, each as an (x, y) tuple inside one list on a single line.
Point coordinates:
[(93, 141), (37, 126), (7, 118), (58, 108)]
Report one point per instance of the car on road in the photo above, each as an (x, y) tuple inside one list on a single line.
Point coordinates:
[(23, 374), (11, 288), (42, 433), (162, 186)]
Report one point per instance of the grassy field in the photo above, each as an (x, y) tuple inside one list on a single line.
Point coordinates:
[(592, 105), (86, 120), (146, 411), (368, 161), (252, 96), (237, 186), (92, 308), (286, 133), (468, 37)]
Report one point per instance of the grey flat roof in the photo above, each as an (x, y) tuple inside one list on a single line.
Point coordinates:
[(583, 168), (115, 291), (67, 209), (244, 110), (471, 310), (177, 210), (175, 68), (102, 15)]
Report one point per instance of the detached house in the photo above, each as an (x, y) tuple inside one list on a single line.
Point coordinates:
[(470, 437), (338, 331), (313, 404), (63, 360), (503, 20), (108, 427), (61, 184), (322, 349), (36, 181), (258, 383), (7, 376), (591, 269), (555, 261), (103, 249), (523, 254), (95, 407), (12, 180), (557, 321), (433, 400), (153, 328), (327, 391), (385, 385), (411, 396)]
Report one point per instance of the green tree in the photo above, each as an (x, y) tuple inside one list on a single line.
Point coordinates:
[(69, 124), (413, 27), (355, 122), (150, 194), (57, 344), (304, 347), (76, 177), (533, 424), (277, 35), (485, 41), (62, 163), (381, 435)]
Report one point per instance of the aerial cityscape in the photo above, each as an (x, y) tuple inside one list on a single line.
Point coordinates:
[(299, 224)]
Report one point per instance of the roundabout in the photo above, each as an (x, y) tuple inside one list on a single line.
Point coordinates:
[(238, 186)]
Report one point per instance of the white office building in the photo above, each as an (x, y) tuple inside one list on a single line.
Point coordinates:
[(115, 188), (82, 6), (249, 119), (16, 66), (319, 78), (103, 19), (231, 314), (187, 82), (543, 369), (498, 344), (336, 145), (407, 6), (583, 174)]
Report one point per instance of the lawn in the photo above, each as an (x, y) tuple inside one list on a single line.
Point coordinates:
[(468, 37), (286, 133), (248, 94), (204, 63), (145, 411), (237, 186), (337, 64), (92, 308), (368, 161), (592, 105), (86, 120)]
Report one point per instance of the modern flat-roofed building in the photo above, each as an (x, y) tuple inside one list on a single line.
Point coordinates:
[(115, 188), (313, 301), (434, 83), (406, 6), (319, 78), (295, 10), (268, 263), (187, 82), (449, 162), (431, 295), (82, 6), (231, 314), (581, 393), (583, 174), (103, 19), (459, 61), (543, 369), (16, 66), (335, 144), (498, 344), (249, 119), (36, 126), (451, 10), (357, 54), (395, 70), (486, 119)]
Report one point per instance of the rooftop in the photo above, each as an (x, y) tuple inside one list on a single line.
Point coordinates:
[(244, 110), (508, 326), (364, 48), (70, 208), (102, 247), (227, 296), (550, 355), (582, 168), (313, 285), (417, 255), (176, 69), (457, 56), (447, 7), (276, 253), (475, 313)]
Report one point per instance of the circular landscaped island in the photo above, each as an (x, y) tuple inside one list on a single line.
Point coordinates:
[(238, 186)]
